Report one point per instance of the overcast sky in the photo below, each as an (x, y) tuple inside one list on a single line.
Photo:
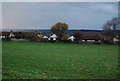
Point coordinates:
[(42, 15), (0, 16)]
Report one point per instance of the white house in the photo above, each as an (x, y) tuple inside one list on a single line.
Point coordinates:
[(71, 38), (53, 37), (45, 37), (115, 39), (11, 35), (2, 37)]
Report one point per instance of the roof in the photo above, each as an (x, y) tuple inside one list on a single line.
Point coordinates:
[(45, 37), (53, 36), (0, 33), (5, 33), (71, 37), (91, 36)]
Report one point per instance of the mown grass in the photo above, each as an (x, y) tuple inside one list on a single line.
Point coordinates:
[(0, 60), (23, 60)]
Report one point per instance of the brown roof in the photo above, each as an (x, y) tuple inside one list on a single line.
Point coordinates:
[(6, 33), (0, 33), (91, 36)]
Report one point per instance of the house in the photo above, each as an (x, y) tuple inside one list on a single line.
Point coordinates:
[(2, 37), (11, 35), (45, 37), (53, 37), (116, 40), (37, 35), (71, 38), (91, 37), (5, 35)]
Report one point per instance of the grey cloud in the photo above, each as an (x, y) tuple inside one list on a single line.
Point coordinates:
[(0, 15), (43, 15)]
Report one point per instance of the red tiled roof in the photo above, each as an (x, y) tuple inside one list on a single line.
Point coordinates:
[(5, 33)]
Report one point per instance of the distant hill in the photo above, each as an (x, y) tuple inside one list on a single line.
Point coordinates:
[(48, 31), (82, 31)]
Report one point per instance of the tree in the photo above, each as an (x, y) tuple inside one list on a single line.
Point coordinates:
[(77, 36), (65, 38), (59, 29), (28, 35), (111, 28), (19, 35)]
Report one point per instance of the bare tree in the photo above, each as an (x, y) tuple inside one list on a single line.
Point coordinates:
[(77, 36), (111, 28)]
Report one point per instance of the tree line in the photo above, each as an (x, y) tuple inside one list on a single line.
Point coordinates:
[(110, 30)]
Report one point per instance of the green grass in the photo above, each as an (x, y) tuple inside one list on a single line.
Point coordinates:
[(59, 61), (0, 60)]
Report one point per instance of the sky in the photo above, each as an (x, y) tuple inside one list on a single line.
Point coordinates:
[(0, 16), (42, 15), (59, 0)]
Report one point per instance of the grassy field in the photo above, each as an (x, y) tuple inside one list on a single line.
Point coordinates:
[(59, 61)]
